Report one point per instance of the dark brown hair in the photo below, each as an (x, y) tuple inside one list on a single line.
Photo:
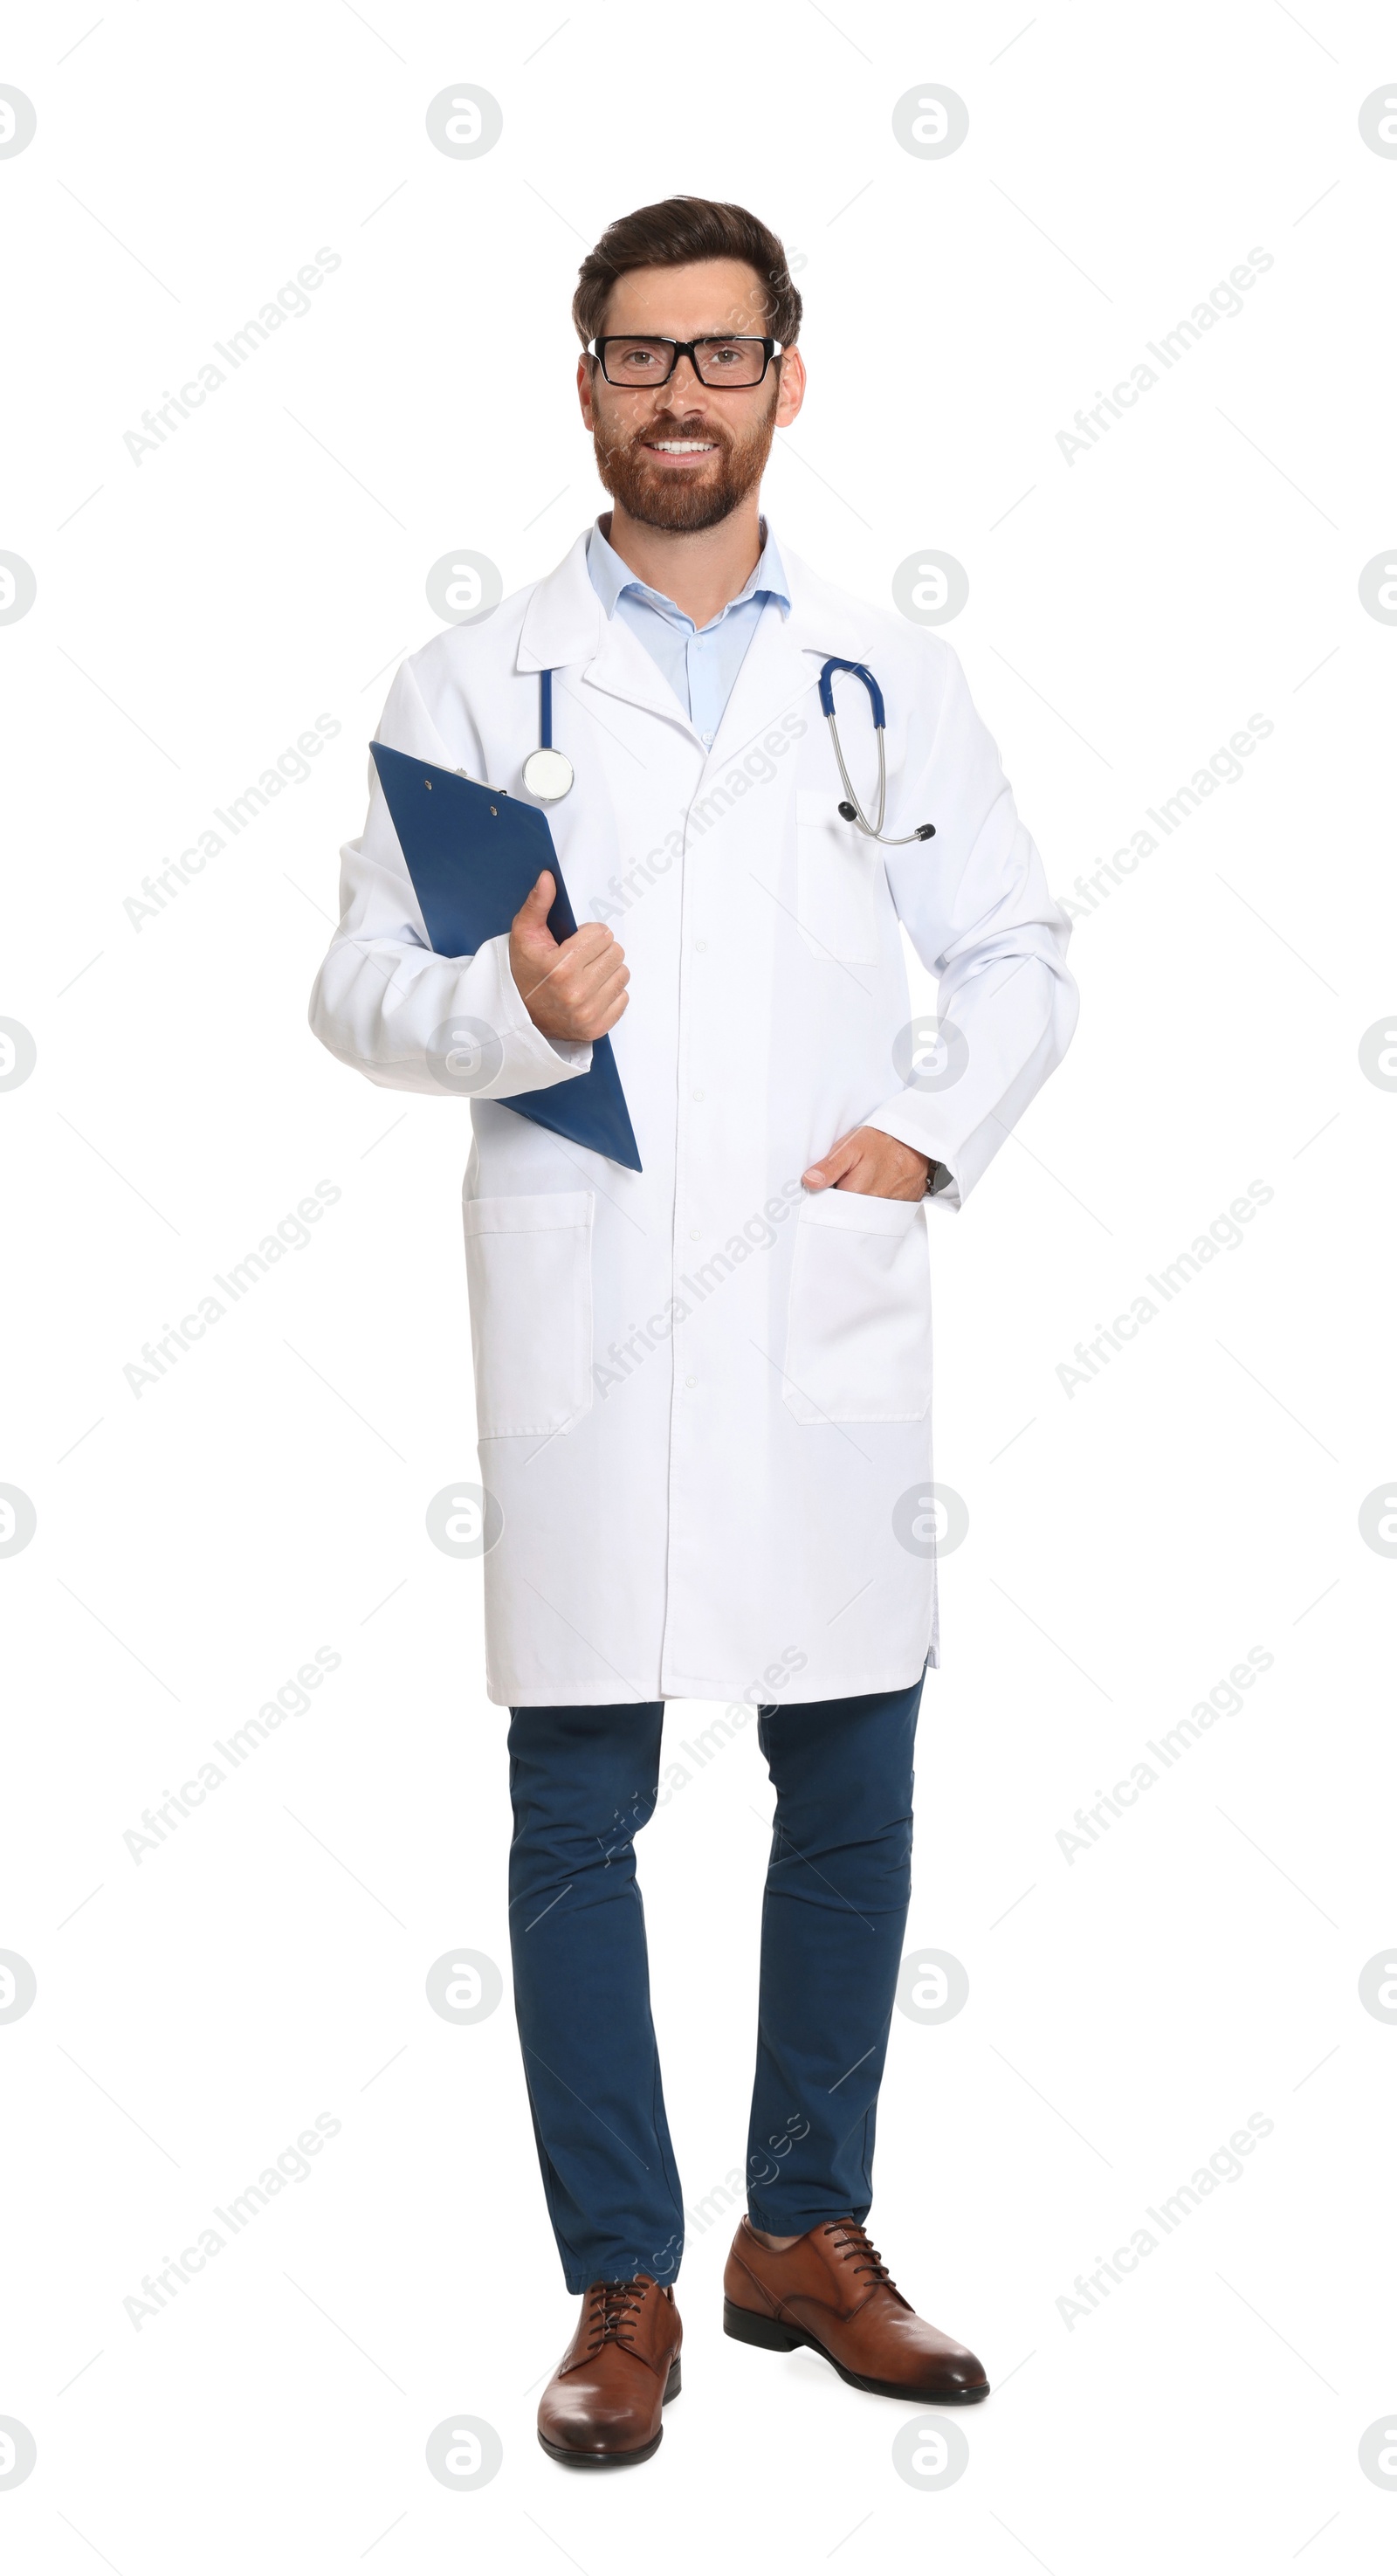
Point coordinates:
[(670, 235)]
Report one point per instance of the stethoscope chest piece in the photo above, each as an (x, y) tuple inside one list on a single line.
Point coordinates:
[(547, 773)]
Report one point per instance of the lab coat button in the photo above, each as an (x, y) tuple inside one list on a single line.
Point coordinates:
[(698, 1095)]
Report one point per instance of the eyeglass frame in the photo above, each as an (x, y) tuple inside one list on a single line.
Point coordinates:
[(770, 349)]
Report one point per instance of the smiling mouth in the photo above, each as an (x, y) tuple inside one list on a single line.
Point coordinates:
[(680, 448)]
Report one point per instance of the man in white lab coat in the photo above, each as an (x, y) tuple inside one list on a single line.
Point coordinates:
[(703, 1389)]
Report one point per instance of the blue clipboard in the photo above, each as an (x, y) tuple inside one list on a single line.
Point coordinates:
[(473, 853)]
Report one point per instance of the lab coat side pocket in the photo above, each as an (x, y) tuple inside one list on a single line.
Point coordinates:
[(529, 1273), (839, 880), (858, 1342)]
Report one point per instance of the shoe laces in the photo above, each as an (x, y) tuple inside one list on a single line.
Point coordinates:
[(855, 2246), (612, 2309)]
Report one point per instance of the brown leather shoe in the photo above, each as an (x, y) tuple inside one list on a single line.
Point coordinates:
[(832, 2291), (601, 2408)]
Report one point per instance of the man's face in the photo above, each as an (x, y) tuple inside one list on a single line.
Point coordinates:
[(683, 455)]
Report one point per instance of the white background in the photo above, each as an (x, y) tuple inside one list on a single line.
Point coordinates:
[(1129, 1542)]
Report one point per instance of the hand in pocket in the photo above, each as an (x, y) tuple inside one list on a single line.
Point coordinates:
[(879, 1166)]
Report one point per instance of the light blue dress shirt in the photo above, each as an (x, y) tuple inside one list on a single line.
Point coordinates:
[(700, 663)]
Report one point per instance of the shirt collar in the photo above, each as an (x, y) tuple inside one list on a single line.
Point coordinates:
[(612, 579)]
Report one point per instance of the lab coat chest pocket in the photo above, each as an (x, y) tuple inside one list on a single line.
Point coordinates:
[(529, 1272), (839, 881), (858, 1344)]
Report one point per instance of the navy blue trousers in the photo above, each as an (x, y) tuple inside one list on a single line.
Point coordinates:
[(583, 1781)]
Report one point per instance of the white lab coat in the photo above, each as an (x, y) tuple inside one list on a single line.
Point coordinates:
[(703, 1393)]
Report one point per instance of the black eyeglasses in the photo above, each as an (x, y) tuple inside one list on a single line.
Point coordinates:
[(716, 360)]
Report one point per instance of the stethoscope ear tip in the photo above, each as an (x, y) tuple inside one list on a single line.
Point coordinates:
[(846, 809)]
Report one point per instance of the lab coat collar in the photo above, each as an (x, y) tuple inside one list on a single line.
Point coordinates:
[(566, 625), (564, 619)]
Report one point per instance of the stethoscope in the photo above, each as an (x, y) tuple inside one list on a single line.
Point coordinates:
[(851, 809), (548, 773)]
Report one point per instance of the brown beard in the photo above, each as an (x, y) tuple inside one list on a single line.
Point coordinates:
[(683, 503)]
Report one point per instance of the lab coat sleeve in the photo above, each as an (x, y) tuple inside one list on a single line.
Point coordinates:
[(382, 996), (976, 905)]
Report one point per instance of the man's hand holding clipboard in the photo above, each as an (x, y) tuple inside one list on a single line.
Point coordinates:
[(573, 989), (482, 863)]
